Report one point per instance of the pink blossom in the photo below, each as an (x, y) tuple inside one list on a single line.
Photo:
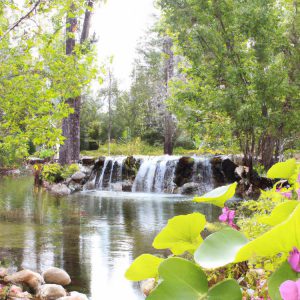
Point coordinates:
[(286, 194), (227, 216), (298, 193), (290, 290), (294, 260)]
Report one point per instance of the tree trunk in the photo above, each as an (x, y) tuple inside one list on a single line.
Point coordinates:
[(70, 151), (169, 126)]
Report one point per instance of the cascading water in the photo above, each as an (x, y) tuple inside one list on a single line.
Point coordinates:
[(107, 175), (158, 174), (155, 174)]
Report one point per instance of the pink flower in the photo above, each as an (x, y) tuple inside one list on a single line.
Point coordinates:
[(290, 290), (286, 194), (298, 193), (298, 180), (227, 216), (294, 260)]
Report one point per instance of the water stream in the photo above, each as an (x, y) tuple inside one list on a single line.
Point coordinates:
[(93, 235)]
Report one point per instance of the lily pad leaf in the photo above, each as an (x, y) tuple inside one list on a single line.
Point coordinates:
[(283, 273), (219, 195), (145, 266), (181, 234), (220, 248), (283, 170), (181, 279), (225, 290), (280, 213), (281, 238)]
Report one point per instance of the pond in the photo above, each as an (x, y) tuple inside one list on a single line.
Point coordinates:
[(93, 235)]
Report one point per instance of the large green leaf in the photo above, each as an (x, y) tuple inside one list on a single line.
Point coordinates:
[(281, 238), (283, 170), (280, 213), (219, 195), (283, 273), (225, 290), (219, 248), (181, 234), (181, 279), (145, 266)]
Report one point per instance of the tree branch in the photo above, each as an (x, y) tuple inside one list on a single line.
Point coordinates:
[(16, 24)]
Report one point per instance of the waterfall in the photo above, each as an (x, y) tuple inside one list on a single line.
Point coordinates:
[(116, 168), (155, 174)]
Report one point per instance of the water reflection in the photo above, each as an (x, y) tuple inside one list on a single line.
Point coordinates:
[(94, 236)]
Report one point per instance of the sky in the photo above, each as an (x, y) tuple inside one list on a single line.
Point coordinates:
[(119, 24)]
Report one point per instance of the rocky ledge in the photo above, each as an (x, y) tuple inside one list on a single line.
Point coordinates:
[(29, 285)]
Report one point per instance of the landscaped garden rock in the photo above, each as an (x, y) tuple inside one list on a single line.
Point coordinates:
[(78, 176), (56, 276), (51, 292), (59, 189), (190, 188), (27, 277)]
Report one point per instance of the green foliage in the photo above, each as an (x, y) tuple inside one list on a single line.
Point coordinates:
[(46, 153), (69, 170), (182, 279), (239, 79), (52, 173), (283, 169), (181, 234), (37, 77), (145, 266), (219, 195), (213, 254)]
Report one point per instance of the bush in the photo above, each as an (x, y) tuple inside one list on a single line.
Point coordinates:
[(69, 170), (52, 173)]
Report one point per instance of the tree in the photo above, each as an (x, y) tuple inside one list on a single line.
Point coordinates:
[(36, 76), (238, 64), (70, 150)]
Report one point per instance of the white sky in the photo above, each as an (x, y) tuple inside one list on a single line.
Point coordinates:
[(119, 24)]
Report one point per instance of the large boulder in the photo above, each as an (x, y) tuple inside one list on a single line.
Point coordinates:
[(78, 176), (190, 188), (51, 292), (184, 170), (27, 277), (59, 189), (88, 160), (56, 276), (75, 186)]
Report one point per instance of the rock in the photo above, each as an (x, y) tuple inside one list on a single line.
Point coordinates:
[(78, 176), (127, 186), (90, 185), (75, 296), (87, 160), (51, 292), (30, 278), (147, 286), (13, 172), (190, 188), (60, 189), (3, 272), (56, 276), (184, 170), (74, 186), (16, 293)]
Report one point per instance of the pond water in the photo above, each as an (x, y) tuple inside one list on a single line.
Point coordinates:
[(93, 235)]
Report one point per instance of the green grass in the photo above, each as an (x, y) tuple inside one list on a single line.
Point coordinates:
[(138, 147)]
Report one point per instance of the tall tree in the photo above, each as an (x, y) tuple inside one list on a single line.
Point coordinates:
[(169, 126), (70, 150), (238, 58)]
